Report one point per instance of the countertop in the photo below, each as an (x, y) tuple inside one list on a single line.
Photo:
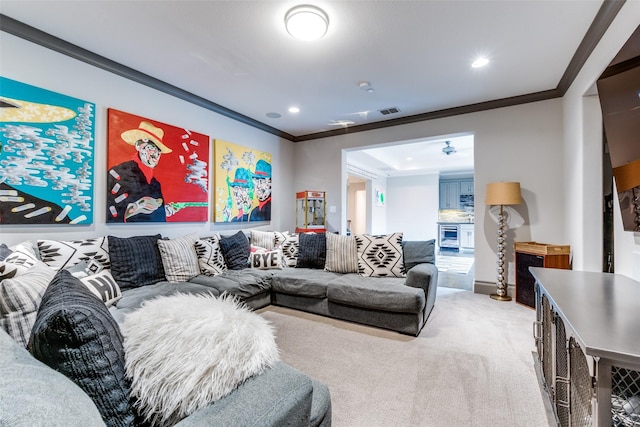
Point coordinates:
[(455, 222)]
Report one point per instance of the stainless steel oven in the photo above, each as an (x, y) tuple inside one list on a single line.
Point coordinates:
[(449, 236)]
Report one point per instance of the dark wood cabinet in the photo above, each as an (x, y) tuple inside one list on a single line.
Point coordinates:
[(533, 254)]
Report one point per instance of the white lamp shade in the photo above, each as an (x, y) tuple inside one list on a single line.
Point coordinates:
[(306, 22)]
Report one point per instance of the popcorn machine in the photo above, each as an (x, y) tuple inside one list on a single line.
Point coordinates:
[(310, 212)]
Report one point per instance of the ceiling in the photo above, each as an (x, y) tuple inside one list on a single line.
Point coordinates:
[(236, 58)]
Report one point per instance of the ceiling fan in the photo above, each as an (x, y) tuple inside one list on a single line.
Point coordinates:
[(448, 150)]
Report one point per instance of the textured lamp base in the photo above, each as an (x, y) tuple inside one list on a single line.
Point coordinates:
[(500, 297)]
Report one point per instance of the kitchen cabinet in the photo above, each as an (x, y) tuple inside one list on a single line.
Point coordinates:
[(449, 194), (466, 236), (452, 189), (466, 187)]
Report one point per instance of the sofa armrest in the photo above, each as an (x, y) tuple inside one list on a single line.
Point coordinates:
[(279, 396), (425, 276)]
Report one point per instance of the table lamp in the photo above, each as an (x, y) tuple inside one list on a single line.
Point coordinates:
[(502, 194)]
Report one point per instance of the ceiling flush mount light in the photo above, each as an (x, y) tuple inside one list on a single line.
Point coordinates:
[(448, 150), (480, 62), (306, 22)]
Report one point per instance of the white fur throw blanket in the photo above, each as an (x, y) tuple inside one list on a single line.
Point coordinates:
[(184, 352)]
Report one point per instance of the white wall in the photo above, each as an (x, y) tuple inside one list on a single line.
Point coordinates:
[(582, 166), (32, 64), (521, 143), (412, 206)]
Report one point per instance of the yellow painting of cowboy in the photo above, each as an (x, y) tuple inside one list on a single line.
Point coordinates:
[(155, 172), (243, 183)]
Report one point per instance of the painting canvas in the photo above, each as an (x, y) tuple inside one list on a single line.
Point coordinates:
[(46, 156), (242, 183), (155, 172)]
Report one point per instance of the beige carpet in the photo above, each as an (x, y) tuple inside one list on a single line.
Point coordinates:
[(471, 365)]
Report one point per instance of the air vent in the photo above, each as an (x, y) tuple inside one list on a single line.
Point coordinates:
[(387, 111)]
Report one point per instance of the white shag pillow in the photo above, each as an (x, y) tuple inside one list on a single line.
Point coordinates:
[(184, 352)]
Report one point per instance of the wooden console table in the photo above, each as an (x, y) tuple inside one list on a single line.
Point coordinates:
[(587, 335)]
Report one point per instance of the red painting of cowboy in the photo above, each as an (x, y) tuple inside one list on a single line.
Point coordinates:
[(155, 172)]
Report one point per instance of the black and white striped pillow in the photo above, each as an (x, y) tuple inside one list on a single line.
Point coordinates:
[(179, 258), (342, 254), (104, 286)]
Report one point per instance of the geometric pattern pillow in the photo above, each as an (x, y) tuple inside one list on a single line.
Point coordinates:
[(179, 258), (62, 254), (342, 254), (98, 280), (380, 256), (17, 263), (210, 258), (289, 248), (75, 334), (19, 301)]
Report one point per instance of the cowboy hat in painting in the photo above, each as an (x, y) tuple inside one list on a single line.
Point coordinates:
[(146, 132)]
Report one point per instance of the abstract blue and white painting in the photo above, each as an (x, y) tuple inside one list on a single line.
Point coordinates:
[(46, 156)]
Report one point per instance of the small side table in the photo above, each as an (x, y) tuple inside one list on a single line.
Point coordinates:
[(533, 254)]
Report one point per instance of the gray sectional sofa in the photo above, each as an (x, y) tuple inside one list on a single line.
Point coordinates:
[(34, 394)]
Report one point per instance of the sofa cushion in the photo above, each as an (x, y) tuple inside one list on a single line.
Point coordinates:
[(417, 252), (19, 301), (312, 250), (342, 254), (210, 258), (62, 254), (136, 261), (4, 251), (308, 282), (290, 246), (241, 283), (170, 376), (380, 256), (179, 258), (236, 250), (75, 334), (380, 293), (34, 394)]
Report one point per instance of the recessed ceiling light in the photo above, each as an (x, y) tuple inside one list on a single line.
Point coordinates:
[(274, 115), (306, 22), (480, 62), (294, 110), (409, 158)]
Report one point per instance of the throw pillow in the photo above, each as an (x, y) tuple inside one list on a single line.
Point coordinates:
[(264, 239), (179, 258), (19, 301), (98, 280), (136, 261), (312, 250), (75, 334), (19, 261), (210, 258), (266, 260), (417, 252), (62, 254), (170, 376), (289, 248), (235, 250), (342, 254), (380, 256)]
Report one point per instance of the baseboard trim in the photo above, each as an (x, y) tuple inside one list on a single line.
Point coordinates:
[(488, 288)]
